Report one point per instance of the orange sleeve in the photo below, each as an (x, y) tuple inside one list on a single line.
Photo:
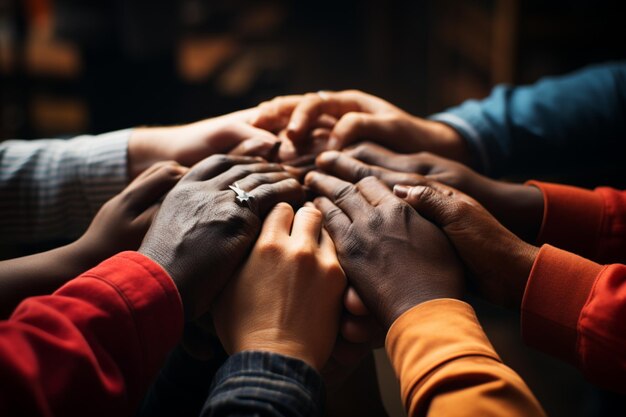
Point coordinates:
[(574, 309), (589, 223), (447, 366)]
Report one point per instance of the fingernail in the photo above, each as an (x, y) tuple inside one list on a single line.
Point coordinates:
[(327, 157), (401, 190), (310, 177)]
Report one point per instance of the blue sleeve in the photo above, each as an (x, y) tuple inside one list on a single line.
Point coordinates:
[(551, 126), (263, 384)]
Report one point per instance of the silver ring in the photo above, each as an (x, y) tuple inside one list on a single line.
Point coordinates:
[(242, 197)]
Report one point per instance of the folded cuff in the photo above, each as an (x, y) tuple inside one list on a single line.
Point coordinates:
[(431, 334), (558, 288)]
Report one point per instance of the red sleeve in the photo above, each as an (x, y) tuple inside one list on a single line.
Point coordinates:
[(575, 309), (92, 347), (589, 223)]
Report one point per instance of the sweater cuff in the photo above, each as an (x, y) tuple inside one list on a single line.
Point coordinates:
[(431, 334), (151, 296), (103, 171), (572, 218), (556, 292), (257, 379)]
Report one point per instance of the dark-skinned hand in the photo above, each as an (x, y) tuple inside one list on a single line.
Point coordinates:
[(518, 207), (497, 260), (392, 256), (201, 234)]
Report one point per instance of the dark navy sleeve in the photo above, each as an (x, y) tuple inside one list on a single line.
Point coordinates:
[(553, 125), (255, 383)]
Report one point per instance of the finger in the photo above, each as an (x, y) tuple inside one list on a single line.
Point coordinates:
[(217, 164), (353, 303), (311, 107), (335, 220), (386, 129), (277, 224), (257, 146), (239, 172), (343, 194), (146, 190), (325, 121), (151, 169), (254, 180), (274, 114), (374, 190), (327, 246), (373, 154), (267, 196), (436, 204), (347, 168), (307, 225)]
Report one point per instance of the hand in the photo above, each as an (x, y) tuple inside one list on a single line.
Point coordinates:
[(518, 207), (361, 117), (188, 144), (497, 260), (287, 297), (201, 235), (393, 257), (122, 222)]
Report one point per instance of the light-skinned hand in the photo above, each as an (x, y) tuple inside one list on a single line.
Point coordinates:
[(287, 296)]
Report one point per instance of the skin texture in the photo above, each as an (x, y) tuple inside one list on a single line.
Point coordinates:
[(497, 260), (517, 207), (119, 225), (360, 116), (392, 256), (189, 144), (287, 297), (201, 234)]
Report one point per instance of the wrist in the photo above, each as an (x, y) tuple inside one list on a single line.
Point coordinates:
[(145, 149), (446, 141), (519, 208), (282, 346)]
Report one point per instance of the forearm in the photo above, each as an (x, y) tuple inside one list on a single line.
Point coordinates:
[(51, 189), (265, 384), (40, 274), (93, 346), (446, 364), (556, 123)]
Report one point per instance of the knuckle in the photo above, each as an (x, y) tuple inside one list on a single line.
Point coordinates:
[(344, 192), (269, 247)]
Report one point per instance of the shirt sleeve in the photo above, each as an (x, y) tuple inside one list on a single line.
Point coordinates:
[(259, 383), (52, 188), (574, 309), (550, 125), (447, 366), (93, 346), (589, 223)]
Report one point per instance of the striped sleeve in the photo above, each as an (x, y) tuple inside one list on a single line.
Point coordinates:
[(51, 189)]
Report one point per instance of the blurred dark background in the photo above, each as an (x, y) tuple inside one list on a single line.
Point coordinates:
[(72, 66)]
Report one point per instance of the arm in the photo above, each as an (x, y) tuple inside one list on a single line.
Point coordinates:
[(440, 354), (576, 118), (119, 225), (51, 189), (573, 309), (446, 364), (94, 345)]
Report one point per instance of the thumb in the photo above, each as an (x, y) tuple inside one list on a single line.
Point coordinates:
[(436, 202), (355, 126)]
